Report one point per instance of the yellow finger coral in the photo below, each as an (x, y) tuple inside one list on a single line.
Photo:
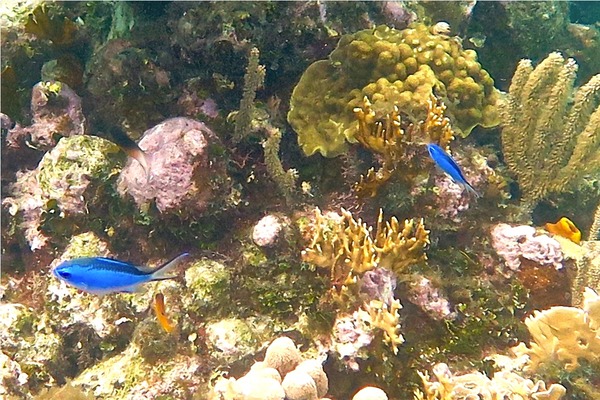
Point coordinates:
[(385, 317), (392, 68), (349, 248), (393, 139)]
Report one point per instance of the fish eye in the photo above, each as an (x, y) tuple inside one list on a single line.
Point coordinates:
[(64, 274)]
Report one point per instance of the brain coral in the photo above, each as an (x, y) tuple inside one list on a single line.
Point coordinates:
[(391, 67)]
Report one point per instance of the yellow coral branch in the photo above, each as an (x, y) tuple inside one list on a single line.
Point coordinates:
[(384, 135), (348, 248)]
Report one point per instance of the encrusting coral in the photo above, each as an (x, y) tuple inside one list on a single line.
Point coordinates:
[(550, 132), (518, 244), (57, 112), (563, 334), (392, 68)]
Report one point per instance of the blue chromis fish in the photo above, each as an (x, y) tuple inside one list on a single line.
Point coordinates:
[(449, 166), (100, 276)]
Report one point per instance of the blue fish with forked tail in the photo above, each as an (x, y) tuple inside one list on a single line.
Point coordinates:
[(100, 276), (449, 166)]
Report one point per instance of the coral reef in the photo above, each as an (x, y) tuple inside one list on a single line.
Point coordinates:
[(503, 385), (282, 375), (184, 176), (566, 335), (550, 141), (392, 68), (346, 247), (337, 304)]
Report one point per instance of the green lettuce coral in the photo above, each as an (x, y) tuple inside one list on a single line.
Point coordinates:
[(391, 67)]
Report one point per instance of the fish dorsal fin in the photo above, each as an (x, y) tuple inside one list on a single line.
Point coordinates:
[(161, 272)]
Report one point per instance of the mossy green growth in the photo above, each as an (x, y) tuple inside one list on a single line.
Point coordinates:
[(154, 344), (208, 282), (391, 67), (86, 244), (232, 339), (74, 162)]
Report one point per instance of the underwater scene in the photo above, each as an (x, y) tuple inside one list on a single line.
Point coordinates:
[(300, 200)]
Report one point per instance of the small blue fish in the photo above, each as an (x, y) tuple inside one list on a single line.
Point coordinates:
[(449, 166), (100, 276)]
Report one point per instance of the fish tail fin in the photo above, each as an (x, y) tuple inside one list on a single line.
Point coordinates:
[(162, 272), (472, 190), (132, 149)]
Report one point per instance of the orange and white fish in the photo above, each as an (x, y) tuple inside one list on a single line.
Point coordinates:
[(566, 228), (161, 315)]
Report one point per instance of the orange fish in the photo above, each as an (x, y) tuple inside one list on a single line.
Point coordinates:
[(159, 309), (565, 228)]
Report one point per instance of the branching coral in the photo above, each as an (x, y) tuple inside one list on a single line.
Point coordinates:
[(385, 317), (348, 247), (391, 67), (550, 133), (503, 385), (564, 334), (395, 141)]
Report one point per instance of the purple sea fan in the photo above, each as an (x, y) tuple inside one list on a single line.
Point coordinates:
[(183, 176)]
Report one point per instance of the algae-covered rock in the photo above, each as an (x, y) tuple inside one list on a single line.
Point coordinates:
[(128, 376), (208, 282), (154, 345), (391, 67), (65, 173), (232, 339), (70, 180)]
